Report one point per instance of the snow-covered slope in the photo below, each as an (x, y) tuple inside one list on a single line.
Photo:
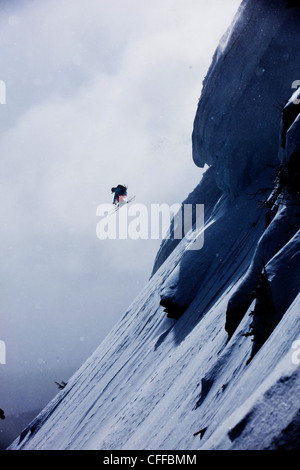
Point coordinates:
[(225, 373), (249, 80)]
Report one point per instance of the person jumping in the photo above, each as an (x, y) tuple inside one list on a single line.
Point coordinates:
[(120, 194)]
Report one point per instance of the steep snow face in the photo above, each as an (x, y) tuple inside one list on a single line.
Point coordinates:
[(225, 375), (154, 383), (228, 231), (250, 79), (276, 237), (269, 419), (206, 193)]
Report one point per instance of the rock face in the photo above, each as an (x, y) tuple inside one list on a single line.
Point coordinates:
[(247, 85), (246, 122), (227, 369)]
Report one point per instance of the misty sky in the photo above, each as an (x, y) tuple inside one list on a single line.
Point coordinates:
[(97, 93)]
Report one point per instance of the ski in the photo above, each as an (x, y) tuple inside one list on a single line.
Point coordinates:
[(121, 205)]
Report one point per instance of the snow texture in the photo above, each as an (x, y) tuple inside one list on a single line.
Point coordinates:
[(236, 125), (225, 374)]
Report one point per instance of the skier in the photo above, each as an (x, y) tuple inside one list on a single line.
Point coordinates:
[(120, 194)]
